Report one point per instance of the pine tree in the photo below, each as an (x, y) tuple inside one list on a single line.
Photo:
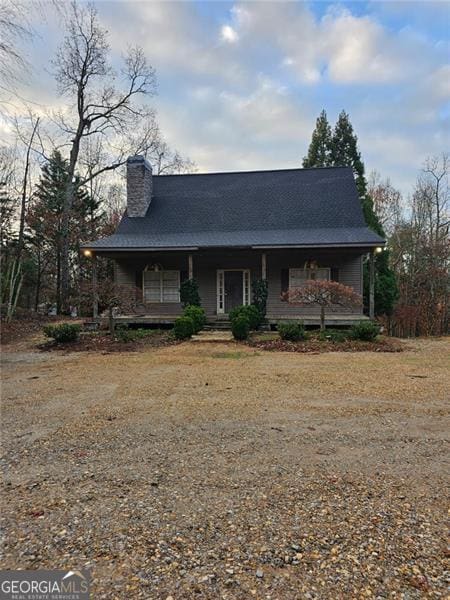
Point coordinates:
[(340, 149), (319, 151), (345, 153), (45, 217)]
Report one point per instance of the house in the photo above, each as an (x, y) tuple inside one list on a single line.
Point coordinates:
[(227, 229)]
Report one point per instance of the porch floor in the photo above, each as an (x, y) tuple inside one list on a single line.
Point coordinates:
[(331, 320)]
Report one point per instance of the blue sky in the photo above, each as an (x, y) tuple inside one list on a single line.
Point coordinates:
[(241, 84)]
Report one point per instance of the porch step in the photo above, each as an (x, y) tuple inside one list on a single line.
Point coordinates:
[(217, 326)]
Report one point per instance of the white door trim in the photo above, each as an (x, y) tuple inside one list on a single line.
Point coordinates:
[(221, 288)]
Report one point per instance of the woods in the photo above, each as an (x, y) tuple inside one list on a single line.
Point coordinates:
[(412, 281), (61, 181)]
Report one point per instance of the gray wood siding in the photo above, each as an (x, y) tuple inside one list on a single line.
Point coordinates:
[(206, 263), (348, 263)]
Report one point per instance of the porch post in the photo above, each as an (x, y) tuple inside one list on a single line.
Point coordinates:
[(263, 266), (191, 266), (371, 284), (94, 288)]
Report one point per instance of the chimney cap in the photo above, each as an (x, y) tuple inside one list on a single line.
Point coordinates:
[(139, 158)]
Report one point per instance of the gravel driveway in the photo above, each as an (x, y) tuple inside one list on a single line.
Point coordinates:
[(215, 471)]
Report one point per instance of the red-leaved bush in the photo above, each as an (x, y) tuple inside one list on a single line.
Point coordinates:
[(325, 294)]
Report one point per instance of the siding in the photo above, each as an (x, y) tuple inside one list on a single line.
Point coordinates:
[(348, 263), (206, 263)]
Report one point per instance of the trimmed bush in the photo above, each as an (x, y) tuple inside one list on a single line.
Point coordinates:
[(292, 332), (366, 331), (250, 311), (183, 328), (240, 327), (63, 333), (197, 314), (334, 335), (260, 293), (189, 293)]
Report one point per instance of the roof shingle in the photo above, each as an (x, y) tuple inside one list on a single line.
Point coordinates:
[(260, 208)]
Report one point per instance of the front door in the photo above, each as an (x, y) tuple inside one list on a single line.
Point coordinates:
[(234, 286)]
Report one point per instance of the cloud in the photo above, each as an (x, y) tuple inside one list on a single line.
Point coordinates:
[(241, 88), (228, 34)]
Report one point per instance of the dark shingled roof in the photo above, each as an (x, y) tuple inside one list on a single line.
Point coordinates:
[(262, 208)]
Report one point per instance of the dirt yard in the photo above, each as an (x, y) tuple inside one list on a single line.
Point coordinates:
[(221, 471)]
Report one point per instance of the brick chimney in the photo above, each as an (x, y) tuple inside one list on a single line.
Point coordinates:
[(139, 186)]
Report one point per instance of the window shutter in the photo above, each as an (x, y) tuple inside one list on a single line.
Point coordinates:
[(284, 281), (334, 274)]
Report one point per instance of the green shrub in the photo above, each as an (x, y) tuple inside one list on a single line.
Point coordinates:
[(123, 333), (292, 332), (183, 328), (240, 327), (65, 332), (250, 311), (334, 335), (197, 314), (189, 293), (260, 293), (366, 331)]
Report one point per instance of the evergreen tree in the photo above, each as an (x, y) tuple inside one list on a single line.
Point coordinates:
[(45, 220), (345, 153), (319, 151), (340, 149)]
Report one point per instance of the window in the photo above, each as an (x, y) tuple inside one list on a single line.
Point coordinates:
[(297, 277), (161, 286)]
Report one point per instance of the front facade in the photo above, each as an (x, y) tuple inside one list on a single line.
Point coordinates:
[(227, 230)]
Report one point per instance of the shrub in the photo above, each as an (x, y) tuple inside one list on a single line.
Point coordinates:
[(334, 335), (189, 293), (240, 327), (292, 332), (183, 328), (365, 330), (197, 314), (250, 311), (260, 293), (124, 334), (65, 332)]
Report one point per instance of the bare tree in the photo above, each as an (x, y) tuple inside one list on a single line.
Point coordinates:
[(104, 107), (387, 201), (421, 254), (14, 27)]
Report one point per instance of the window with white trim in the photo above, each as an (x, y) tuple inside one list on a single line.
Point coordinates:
[(297, 277), (161, 286)]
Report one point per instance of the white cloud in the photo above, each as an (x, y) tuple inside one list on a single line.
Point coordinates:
[(245, 94), (228, 34)]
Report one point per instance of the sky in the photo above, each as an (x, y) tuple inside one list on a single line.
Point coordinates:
[(240, 84)]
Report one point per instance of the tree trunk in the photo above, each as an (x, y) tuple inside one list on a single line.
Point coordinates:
[(322, 318), (111, 320), (38, 282), (20, 240), (58, 282), (67, 210)]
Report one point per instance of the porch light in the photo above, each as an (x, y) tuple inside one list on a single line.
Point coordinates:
[(378, 250), (87, 253)]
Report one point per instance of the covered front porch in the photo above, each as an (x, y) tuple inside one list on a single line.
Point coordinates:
[(225, 277)]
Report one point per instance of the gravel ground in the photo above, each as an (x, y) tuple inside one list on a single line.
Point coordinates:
[(221, 471)]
